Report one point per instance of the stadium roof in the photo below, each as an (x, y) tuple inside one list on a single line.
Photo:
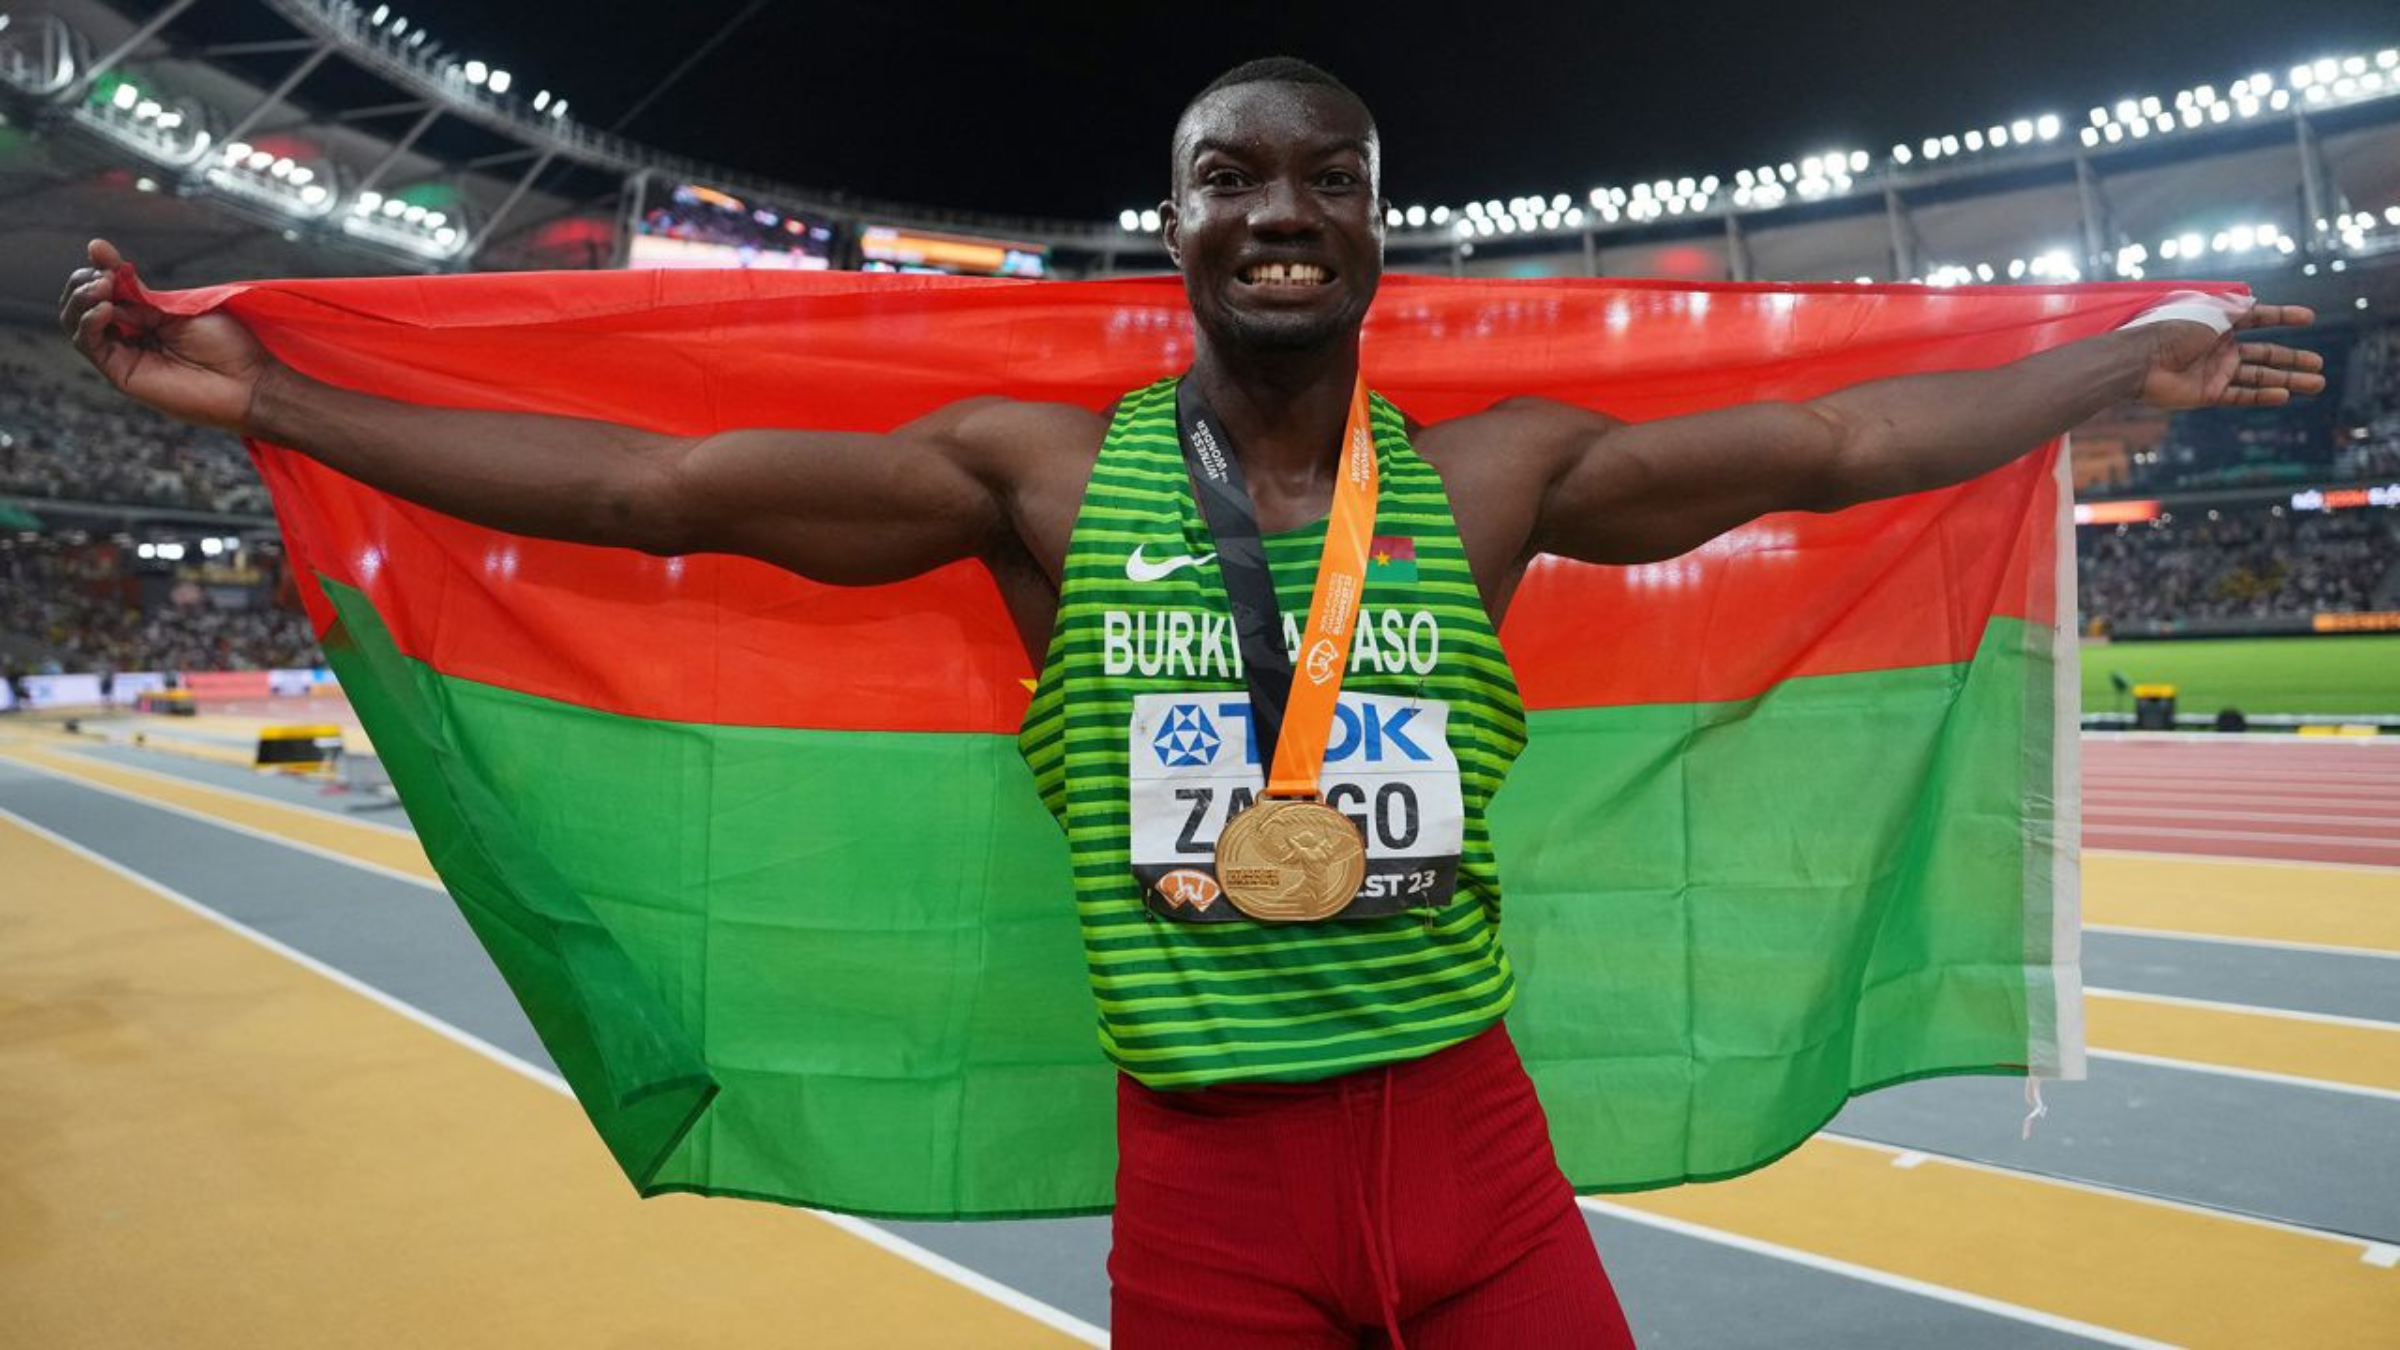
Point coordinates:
[(333, 148)]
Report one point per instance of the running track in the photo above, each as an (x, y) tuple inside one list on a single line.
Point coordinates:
[(2333, 800)]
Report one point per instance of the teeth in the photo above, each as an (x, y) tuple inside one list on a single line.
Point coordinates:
[(1286, 274)]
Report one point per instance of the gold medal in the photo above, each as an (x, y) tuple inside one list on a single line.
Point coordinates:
[(1290, 860)]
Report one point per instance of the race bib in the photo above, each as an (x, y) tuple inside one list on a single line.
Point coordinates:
[(1194, 762)]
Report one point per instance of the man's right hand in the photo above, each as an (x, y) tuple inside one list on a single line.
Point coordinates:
[(200, 369)]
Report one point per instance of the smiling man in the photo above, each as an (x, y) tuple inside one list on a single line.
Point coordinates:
[(1325, 1133)]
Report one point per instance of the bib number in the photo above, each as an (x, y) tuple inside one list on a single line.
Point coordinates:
[(1194, 763)]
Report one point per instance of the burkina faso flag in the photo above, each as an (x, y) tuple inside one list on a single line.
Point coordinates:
[(760, 859)]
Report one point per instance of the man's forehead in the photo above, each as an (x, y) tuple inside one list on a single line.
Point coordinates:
[(1275, 115)]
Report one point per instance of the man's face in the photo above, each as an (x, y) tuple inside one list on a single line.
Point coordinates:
[(1277, 218)]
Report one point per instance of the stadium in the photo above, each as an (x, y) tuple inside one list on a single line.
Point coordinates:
[(272, 1090)]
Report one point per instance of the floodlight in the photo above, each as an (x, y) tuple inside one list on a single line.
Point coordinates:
[(2091, 136), (477, 72), (2170, 248), (1559, 202), (1129, 220), (2191, 244), (541, 100), (1440, 214), (2354, 65), (1415, 216), (1575, 217), (2047, 126), (445, 236), (500, 81), (1150, 221), (2150, 105), (1392, 217), (1550, 220), (1974, 140), (2016, 269), (2303, 77), (1996, 136), (126, 96), (312, 194), (2222, 112), (2280, 100), (382, 12), (1933, 148), (2326, 68), (301, 176), (2139, 129), (2128, 110), (1900, 154), (2099, 117)]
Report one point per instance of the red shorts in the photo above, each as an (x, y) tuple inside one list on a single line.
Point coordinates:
[(1419, 1202)]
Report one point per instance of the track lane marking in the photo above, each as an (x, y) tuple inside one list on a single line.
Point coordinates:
[(554, 1243), (379, 848), (2106, 1265), (2312, 1049)]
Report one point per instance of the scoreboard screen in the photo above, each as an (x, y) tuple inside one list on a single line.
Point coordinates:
[(693, 225), (892, 248)]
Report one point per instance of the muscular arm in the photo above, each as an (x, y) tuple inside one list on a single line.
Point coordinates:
[(840, 507), (984, 478), (1611, 492)]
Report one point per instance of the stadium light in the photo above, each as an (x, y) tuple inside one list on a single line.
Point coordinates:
[(541, 100), (477, 72), (500, 81), (382, 12), (1150, 221)]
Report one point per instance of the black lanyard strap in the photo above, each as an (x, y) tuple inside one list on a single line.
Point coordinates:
[(1241, 561)]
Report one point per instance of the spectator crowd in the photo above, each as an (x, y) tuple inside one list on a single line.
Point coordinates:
[(76, 440), (2250, 564), (76, 626)]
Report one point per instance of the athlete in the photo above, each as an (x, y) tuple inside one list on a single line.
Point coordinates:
[(1361, 1157)]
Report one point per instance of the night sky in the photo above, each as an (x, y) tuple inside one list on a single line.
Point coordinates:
[(1064, 110)]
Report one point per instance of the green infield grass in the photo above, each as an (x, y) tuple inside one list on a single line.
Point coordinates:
[(2256, 675)]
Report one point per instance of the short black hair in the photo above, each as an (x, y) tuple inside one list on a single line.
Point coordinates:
[(1277, 70), (1265, 70)]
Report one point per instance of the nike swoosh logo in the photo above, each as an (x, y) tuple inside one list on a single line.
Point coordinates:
[(1138, 568)]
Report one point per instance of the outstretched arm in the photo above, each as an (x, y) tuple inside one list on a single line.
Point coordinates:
[(834, 506), (1621, 493)]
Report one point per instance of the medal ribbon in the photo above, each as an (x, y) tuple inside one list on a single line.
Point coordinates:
[(1291, 709)]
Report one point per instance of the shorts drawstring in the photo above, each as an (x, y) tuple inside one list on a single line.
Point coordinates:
[(1375, 1221)]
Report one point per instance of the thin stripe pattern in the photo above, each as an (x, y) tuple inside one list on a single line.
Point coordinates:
[(1185, 1005)]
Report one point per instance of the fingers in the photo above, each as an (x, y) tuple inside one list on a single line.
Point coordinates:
[(96, 288), (2281, 357), (91, 331), (2238, 396), (2277, 316), (104, 255), (2273, 377)]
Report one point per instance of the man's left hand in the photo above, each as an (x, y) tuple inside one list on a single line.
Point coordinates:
[(2194, 366)]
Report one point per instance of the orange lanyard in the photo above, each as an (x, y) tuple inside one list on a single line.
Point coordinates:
[(1332, 612)]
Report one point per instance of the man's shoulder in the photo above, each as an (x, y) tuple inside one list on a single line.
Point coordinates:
[(1513, 427)]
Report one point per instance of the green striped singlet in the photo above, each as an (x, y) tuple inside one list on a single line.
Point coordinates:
[(1142, 697)]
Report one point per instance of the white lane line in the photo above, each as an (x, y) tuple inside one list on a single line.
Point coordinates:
[(2252, 1075), (1909, 1160), (2017, 1312), (2102, 1189), (2178, 935), (2381, 1255), (84, 753), (2263, 740), (313, 850), (1002, 1294), (2234, 860), (2245, 1009)]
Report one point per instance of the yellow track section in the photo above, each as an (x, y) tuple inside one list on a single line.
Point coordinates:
[(2329, 1052), (205, 1145), (2335, 906)]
